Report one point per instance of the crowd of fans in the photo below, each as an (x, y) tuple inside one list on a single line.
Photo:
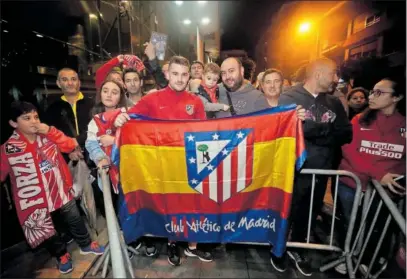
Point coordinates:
[(360, 131)]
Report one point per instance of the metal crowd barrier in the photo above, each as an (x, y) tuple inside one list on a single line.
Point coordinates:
[(354, 258), (336, 173), (330, 246), (116, 250), (316, 246)]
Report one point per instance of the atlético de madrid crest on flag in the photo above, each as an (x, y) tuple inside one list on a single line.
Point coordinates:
[(219, 163)]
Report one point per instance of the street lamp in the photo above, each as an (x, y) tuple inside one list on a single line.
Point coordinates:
[(205, 21), (199, 42), (93, 16), (304, 27)]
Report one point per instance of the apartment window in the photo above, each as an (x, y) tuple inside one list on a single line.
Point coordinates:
[(372, 20), (365, 20), (365, 50)]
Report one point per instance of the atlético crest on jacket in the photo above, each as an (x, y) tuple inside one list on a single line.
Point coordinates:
[(219, 163)]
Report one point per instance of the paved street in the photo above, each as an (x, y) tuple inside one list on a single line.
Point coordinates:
[(240, 261)]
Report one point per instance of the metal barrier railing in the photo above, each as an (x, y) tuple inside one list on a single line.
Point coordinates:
[(336, 173), (374, 188), (316, 246), (330, 246), (398, 218), (116, 250), (354, 252)]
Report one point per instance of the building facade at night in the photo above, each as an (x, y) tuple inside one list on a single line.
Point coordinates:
[(340, 30), (364, 31)]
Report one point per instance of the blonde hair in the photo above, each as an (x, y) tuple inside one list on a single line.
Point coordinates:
[(180, 60), (212, 68)]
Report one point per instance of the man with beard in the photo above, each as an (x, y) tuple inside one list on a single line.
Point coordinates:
[(326, 127), (243, 98), (133, 83), (172, 102), (239, 94)]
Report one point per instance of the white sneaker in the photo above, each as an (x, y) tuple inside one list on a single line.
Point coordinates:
[(341, 268), (364, 268)]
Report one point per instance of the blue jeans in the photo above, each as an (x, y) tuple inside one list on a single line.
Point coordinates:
[(345, 198)]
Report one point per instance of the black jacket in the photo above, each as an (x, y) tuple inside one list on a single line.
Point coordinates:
[(154, 68), (326, 126), (202, 92), (60, 115)]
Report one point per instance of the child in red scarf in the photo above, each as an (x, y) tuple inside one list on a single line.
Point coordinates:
[(208, 90), (42, 184)]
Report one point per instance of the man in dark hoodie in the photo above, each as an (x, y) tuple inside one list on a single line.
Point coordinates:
[(236, 92), (326, 127)]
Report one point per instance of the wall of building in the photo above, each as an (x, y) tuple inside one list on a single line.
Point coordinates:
[(340, 30), (364, 31)]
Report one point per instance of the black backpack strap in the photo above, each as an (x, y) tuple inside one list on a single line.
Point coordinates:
[(232, 109)]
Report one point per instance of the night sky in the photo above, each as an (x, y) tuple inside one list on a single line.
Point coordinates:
[(243, 22)]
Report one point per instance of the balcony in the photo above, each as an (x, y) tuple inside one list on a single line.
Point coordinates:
[(370, 31), (334, 49)]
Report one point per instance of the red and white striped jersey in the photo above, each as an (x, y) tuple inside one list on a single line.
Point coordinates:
[(45, 160), (52, 177)]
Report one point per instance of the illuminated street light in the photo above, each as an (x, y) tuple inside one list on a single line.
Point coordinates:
[(305, 27), (186, 22), (205, 21), (179, 3), (92, 16), (40, 36)]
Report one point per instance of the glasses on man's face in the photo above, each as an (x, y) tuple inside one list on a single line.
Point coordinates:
[(378, 92)]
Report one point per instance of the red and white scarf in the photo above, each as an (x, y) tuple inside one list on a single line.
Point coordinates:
[(38, 185), (211, 91)]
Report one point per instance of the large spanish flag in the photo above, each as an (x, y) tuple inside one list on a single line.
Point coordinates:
[(224, 180)]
